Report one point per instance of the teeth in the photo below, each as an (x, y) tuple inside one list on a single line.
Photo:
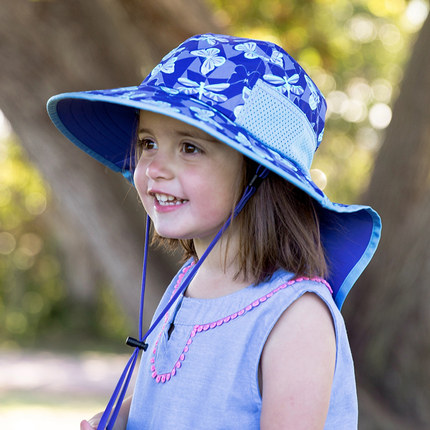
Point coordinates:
[(165, 199)]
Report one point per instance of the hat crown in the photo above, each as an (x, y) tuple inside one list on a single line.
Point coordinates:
[(255, 84)]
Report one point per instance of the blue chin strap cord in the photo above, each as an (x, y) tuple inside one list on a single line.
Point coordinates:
[(108, 418)]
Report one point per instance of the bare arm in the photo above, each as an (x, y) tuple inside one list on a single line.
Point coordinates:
[(297, 366), (120, 424)]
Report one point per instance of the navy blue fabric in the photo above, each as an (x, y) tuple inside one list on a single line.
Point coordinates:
[(106, 126)]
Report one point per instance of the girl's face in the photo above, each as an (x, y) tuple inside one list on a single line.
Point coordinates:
[(186, 179)]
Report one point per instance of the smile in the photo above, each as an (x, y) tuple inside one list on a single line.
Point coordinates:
[(168, 200)]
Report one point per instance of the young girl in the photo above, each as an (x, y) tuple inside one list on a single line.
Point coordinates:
[(218, 141)]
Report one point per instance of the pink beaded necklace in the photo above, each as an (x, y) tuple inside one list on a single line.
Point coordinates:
[(199, 328)]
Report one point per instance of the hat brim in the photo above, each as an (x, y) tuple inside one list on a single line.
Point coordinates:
[(103, 124)]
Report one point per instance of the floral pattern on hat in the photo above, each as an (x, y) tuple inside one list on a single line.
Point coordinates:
[(221, 70)]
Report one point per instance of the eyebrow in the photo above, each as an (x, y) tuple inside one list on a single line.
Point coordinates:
[(144, 130), (193, 134)]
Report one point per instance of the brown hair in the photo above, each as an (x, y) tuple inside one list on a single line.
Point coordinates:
[(278, 228)]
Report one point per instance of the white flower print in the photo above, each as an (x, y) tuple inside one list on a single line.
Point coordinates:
[(246, 92), (212, 59), (168, 90), (320, 136), (210, 39), (277, 58), (243, 140), (314, 98), (262, 152), (171, 54), (203, 89), (249, 49), (167, 67), (285, 84), (163, 105), (205, 115)]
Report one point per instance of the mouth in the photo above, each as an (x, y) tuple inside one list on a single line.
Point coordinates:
[(168, 200)]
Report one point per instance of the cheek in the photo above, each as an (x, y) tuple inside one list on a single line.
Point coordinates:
[(140, 180)]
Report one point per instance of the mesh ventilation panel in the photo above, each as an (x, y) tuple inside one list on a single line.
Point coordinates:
[(273, 119)]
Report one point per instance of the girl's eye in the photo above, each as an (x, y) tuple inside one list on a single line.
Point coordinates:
[(189, 148), (146, 144)]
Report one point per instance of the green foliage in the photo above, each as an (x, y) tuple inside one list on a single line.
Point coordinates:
[(30, 283), (34, 299), (355, 51)]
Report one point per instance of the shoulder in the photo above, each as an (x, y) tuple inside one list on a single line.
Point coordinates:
[(297, 366), (308, 317), (308, 310)]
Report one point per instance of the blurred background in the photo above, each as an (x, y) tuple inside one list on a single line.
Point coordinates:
[(71, 233)]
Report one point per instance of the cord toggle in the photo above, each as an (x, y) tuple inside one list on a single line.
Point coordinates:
[(131, 341)]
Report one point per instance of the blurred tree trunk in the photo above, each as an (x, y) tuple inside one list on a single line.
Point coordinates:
[(389, 311), (48, 47)]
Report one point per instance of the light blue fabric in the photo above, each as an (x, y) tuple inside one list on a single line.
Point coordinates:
[(218, 343)]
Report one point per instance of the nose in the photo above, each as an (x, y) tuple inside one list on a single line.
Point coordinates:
[(160, 166)]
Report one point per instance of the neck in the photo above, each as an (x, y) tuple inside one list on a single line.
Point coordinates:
[(217, 275)]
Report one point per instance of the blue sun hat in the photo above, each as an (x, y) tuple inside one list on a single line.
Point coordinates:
[(252, 96)]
